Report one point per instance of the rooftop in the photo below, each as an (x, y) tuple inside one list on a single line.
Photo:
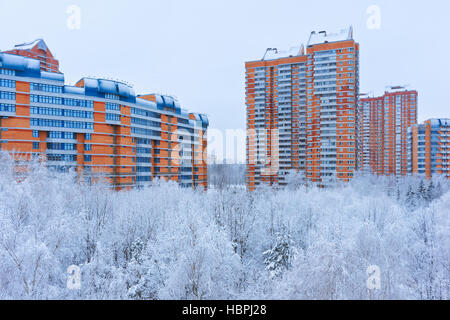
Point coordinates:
[(274, 53), (30, 45), (89, 86), (314, 39), (439, 122), (324, 37)]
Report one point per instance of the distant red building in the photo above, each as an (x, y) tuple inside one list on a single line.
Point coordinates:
[(383, 130)]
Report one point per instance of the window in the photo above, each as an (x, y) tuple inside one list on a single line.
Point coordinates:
[(143, 160), (8, 72), (142, 141), (61, 146), (35, 145), (46, 88), (111, 96), (7, 95), (146, 132), (112, 117), (61, 101), (35, 134), (143, 150), (88, 147), (62, 157), (144, 122), (7, 107), (112, 106), (62, 112), (79, 103), (87, 158), (61, 135), (7, 83), (61, 124), (87, 136), (46, 99)]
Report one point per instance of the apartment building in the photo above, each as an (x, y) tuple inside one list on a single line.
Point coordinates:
[(99, 127), (429, 148), (301, 111), (383, 131)]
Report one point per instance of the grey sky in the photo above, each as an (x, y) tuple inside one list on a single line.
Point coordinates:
[(196, 50)]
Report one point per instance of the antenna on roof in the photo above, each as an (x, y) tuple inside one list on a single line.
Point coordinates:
[(350, 33), (397, 87), (302, 50), (310, 37), (270, 49), (367, 94)]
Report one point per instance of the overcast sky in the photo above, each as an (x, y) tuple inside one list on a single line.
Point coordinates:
[(196, 50)]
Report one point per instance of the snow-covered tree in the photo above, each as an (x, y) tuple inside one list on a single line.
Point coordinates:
[(168, 242), (279, 257), (295, 179), (411, 198)]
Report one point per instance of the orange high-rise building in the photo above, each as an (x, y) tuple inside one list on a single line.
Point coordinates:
[(429, 148), (383, 127), (301, 111), (99, 127)]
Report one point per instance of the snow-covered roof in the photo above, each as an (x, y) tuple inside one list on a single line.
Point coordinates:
[(324, 37), (29, 45), (52, 76), (274, 53), (74, 90), (440, 122), (109, 86), (15, 62), (146, 103), (397, 89)]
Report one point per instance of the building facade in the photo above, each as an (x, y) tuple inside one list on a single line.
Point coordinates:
[(383, 131), (301, 111), (99, 127), (37, 50), (429, 148)]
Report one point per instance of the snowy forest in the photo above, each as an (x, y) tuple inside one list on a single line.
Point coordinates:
[(223, 175), (166, 242)]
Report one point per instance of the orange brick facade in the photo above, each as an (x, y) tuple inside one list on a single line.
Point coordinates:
[(383, 128), (301, 112), (99, 127), (429, 148)]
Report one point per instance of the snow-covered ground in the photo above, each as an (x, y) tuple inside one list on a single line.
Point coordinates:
[(164, 242)]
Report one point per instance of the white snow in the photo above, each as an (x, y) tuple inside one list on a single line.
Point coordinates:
[(323, 37), (273, 54), (31, 45), (165, 242)]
